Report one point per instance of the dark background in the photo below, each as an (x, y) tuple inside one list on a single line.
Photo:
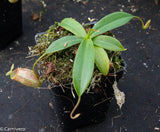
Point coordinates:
[(24, 107)]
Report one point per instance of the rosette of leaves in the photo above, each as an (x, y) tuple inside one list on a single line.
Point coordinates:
[(91, 49)]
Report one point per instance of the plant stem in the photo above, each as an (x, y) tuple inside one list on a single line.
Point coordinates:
[(77, 115), (37, 62), (88, 35)]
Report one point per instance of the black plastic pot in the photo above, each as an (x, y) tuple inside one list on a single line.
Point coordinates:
[(93, 106), (10, 22)]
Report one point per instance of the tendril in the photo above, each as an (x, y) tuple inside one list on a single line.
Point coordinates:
[(146, 25), (74, 109)]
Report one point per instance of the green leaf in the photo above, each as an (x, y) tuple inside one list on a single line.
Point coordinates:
[(73, 26), (108, 43), (83, 66), (110, 22), (63, 43), (101, 60)]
